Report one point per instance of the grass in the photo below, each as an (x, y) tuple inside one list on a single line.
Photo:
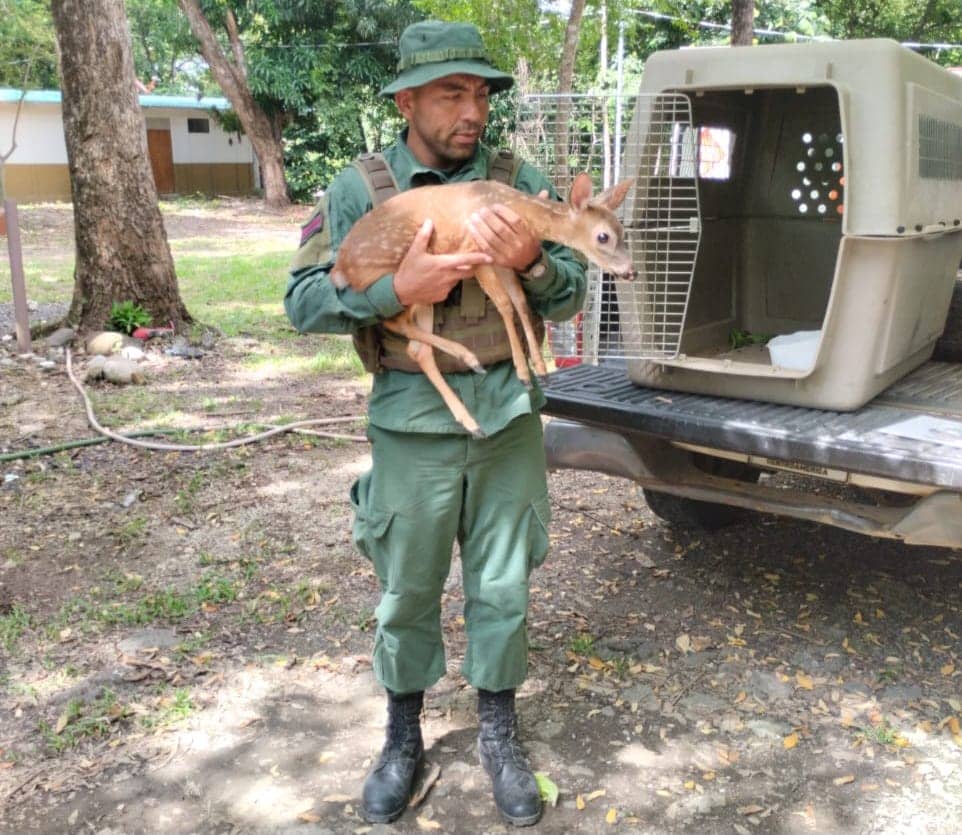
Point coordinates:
[(582, 644), (12, 626), (81, 720)]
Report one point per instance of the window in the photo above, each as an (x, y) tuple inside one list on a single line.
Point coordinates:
[(705, 149), (198, 126)]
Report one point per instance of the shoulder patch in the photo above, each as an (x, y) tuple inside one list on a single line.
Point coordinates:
[(314, 225)]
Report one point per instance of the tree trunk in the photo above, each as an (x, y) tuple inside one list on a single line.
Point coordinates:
[(565, 79), (231, 75), (122, 251), (743, 22)]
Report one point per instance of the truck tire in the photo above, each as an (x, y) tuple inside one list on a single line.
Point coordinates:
[(949, 346), (692, 513)]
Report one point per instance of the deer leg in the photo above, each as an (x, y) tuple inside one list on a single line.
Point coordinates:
[(410, 324), (491, 282), (513, 285)]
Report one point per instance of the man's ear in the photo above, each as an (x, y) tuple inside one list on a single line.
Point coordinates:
[(402, 98)]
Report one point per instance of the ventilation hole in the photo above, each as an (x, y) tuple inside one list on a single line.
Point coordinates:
[(818, 166), (813, 194), (806, 181), (833, 195), (800, 166), (803, 207), (839, 138), (840, 208), (821, 208), (810, 152), (836, 166), (830, 152), (796, 194), (806, 138)]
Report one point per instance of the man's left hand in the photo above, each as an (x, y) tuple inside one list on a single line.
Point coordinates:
[(500, 232)]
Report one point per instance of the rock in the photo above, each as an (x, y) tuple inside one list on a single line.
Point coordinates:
[(132, 352), (902, 693), (61, 337), (702, 703), (638, 694), (95, 367), (105, 343), (148, 639), (769, 686), (769, 729), (549, 729), (122, 371)]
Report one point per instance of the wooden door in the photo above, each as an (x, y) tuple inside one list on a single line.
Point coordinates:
[(161, 159)]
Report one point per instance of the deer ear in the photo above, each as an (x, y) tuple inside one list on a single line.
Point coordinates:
[(613, 197), (580, 192)]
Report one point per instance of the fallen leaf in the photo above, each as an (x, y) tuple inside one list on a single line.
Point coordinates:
[(325, 756), (595, 794), (790, 741), (427, 823), (841, 781), (580, 803), (336, 798), (751, 809), (683, 642), (953, 724), (596, 663), (701, 642), (947, 669), (612, 816), (690, 785), (62, 722), (426, 784), (547, 788), (804, 681), (742, 695), (309, 817)]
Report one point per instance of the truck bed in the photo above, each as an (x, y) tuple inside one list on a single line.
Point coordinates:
[(852, 441)]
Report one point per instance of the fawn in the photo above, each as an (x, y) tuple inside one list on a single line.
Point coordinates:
[(379, 241)]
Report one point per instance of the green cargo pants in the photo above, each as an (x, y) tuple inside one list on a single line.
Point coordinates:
[(423, 493)]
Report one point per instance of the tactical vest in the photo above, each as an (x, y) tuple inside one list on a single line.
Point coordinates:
[(467, 316)]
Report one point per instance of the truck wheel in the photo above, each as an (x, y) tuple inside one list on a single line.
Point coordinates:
[(692, 513), (949, 346)]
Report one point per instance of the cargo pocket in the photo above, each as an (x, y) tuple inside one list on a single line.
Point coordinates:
[(538, 531), (370, 524)]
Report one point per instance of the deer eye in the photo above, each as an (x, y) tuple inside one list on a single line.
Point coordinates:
[(602, 237)]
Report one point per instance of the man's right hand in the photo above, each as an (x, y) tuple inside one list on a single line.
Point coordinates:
[(425, 278)]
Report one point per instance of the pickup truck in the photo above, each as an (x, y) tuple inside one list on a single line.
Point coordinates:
[(702, 461), (800, 194)]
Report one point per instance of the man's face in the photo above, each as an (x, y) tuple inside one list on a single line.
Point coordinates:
[(445, 119)]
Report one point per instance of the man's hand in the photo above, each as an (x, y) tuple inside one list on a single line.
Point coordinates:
[(425, 278), (499, 231)]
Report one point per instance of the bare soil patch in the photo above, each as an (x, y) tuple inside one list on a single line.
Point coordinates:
[(186, 641)]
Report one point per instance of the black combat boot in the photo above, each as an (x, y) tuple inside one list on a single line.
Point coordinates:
[(387, 788), (515, 789)]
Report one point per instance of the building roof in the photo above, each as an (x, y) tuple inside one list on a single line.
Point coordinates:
[(8, 94)]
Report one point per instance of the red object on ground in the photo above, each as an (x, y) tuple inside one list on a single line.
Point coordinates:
[(147, 333)]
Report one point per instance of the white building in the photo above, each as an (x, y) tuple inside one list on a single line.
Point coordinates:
[(189, 152)]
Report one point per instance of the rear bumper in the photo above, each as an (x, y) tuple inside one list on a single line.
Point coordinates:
[(935, 519)]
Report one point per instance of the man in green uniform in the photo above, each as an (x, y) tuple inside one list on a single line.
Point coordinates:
[(431, 484)]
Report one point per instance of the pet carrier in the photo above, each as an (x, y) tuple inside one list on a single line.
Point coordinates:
[(829, 192)]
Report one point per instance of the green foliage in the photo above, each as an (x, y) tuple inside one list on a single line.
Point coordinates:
[(12, 626), (127, 316), (81, 720), (27, 42)]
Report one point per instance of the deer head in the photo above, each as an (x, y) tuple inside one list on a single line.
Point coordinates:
[(597, 231)]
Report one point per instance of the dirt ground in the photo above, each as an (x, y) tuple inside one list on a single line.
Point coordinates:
[(185, 641)]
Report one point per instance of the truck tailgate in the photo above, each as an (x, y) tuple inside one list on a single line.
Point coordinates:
[(854, 441)]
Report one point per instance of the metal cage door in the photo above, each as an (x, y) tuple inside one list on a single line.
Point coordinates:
[(565, 134)]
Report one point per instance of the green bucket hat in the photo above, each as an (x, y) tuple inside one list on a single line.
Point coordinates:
[(433, 49)]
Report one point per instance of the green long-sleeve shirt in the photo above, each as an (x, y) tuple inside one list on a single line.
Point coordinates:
[(403, 401)]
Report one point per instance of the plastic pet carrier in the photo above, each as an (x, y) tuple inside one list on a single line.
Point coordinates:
[(826, 218)]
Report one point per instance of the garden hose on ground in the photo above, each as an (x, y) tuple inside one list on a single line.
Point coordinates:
[(297, 426)]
